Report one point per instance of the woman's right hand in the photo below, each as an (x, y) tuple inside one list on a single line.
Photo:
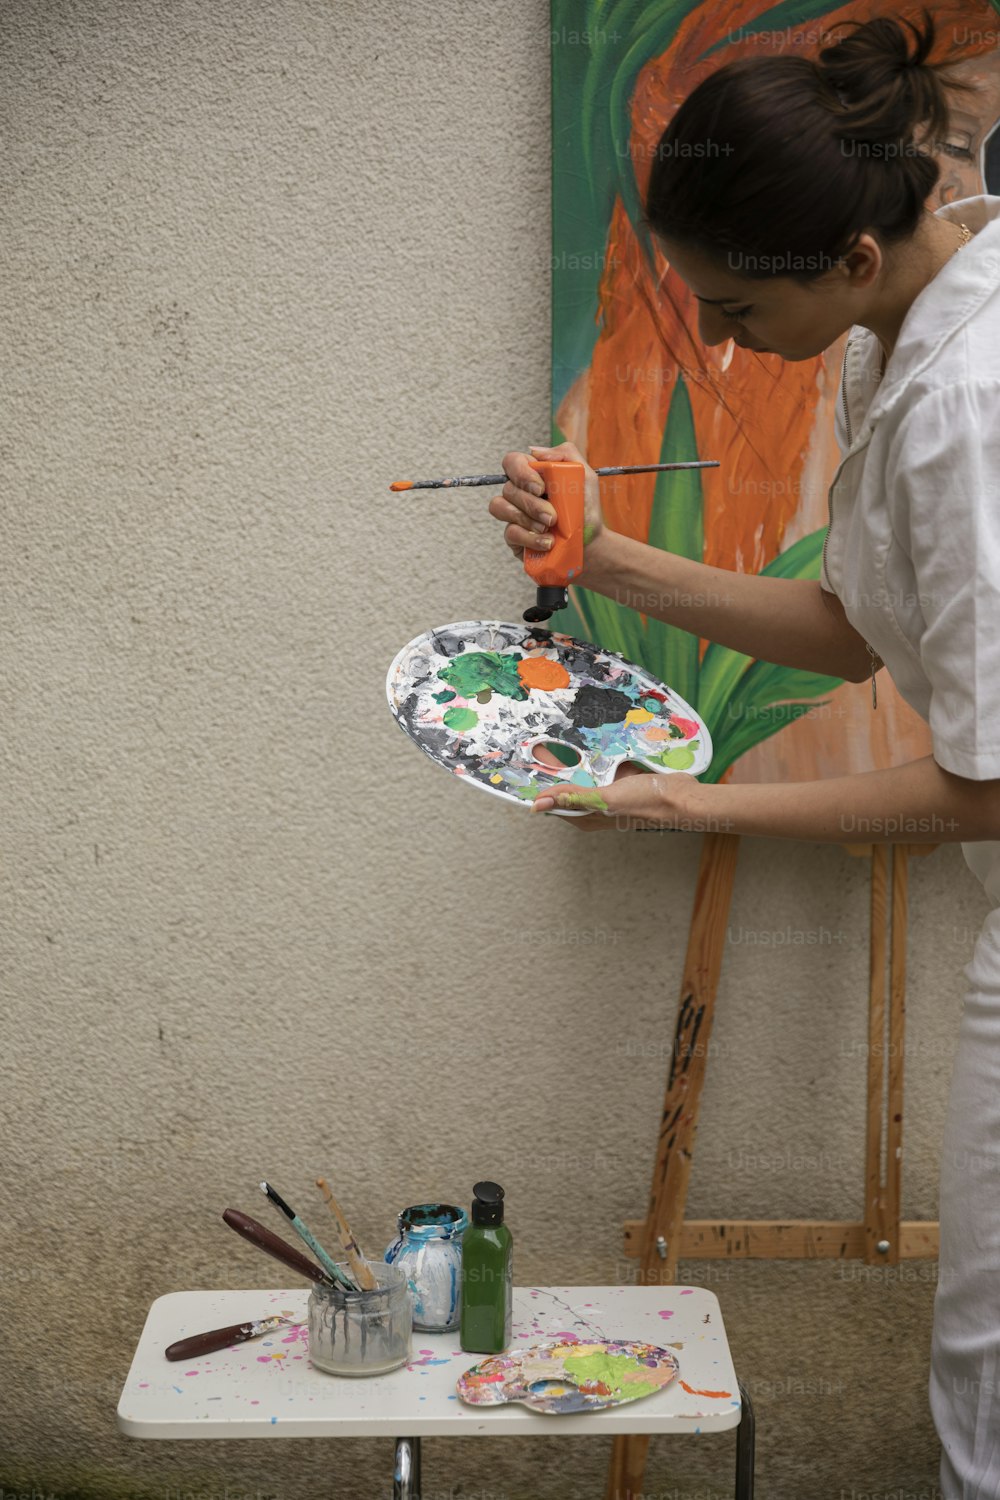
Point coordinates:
[(523, 506)]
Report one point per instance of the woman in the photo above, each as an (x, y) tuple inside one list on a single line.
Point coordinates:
[(790, 196)]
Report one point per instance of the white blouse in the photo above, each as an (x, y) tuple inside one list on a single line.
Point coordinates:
[(913, 550)]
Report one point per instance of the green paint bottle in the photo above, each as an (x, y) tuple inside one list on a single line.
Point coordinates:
[(487, 1275)]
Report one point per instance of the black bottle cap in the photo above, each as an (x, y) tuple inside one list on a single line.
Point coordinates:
[(547, 601), (487, 1203)]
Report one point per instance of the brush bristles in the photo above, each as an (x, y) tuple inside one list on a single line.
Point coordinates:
[(277, 1200)]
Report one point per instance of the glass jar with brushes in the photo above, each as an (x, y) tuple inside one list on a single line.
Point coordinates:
[(364, 1330)]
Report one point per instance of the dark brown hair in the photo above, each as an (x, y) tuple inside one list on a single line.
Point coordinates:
[(779, 163)]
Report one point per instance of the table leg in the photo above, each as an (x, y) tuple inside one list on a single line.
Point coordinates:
[(406, 1476), (745, 1433)]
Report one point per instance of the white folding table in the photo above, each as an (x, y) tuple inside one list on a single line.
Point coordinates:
[(267, 1388)]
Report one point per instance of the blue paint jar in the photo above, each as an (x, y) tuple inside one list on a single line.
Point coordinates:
[(428, 1247)]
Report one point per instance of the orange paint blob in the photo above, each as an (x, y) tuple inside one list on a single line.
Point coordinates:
[(692, 1392), (402, 484), (543, 673)]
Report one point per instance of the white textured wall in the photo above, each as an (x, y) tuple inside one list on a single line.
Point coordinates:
[(258, 260)]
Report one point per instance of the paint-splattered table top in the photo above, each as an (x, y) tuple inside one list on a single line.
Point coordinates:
[(268, 1388)]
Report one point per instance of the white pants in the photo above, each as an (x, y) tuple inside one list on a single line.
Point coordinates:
[(965, 1358)]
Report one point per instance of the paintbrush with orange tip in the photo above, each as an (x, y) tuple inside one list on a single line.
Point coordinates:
[(469, 480)]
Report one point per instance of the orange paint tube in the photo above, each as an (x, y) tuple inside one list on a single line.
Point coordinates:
[(552, 571)]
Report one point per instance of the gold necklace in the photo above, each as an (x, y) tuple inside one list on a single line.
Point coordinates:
[(966, 237)]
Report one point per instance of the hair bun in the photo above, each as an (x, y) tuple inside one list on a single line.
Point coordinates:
[(883, 84)]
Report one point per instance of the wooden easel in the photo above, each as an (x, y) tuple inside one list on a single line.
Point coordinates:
[(664, 1236)]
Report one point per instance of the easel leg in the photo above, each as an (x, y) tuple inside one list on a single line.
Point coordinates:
[(886, 1029), (679, 1122)]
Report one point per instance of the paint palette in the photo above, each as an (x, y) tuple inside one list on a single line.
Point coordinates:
[(570, 1376), (517, 710)]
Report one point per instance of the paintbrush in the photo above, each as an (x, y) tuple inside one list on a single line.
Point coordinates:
[(273, 1244), (223, 1338), (329, 1266), (468, 480), (361, 1272)]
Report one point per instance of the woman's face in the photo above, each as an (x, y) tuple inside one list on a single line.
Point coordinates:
[(775, 314), (778, 315)]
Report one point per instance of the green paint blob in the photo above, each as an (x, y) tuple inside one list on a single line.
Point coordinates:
[(473, 672), (461, 718), (609, 1369), (588, 533), (681, 758), (444, 697)]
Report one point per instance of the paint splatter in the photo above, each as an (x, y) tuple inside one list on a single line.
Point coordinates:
[(428, 1357), (715, 1394), (297, 1335)]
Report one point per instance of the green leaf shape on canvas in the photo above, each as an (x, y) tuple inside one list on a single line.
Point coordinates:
[(742, 701), (767, 721), (786, 14), (722, 668), (676, 524), (592, 157)]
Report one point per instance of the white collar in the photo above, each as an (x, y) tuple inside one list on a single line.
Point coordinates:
[(946, 303)]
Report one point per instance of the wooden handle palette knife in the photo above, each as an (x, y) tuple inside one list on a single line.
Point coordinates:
[(273, 1244), (223, 1338)]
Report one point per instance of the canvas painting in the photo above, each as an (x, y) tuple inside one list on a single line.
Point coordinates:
[(632, 383)]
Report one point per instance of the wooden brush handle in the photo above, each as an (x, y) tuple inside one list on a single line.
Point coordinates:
[(362, 1275)]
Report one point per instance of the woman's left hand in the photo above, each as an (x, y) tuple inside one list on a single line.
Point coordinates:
[(636, 799)]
